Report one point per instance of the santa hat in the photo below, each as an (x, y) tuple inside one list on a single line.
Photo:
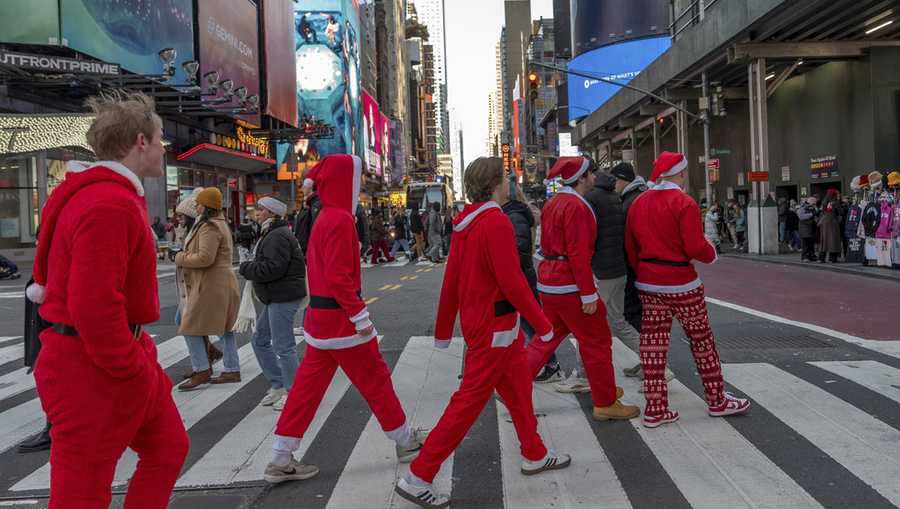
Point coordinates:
[(667, 165), (570, 169)]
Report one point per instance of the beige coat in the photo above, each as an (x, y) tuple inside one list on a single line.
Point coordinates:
[(212, 296)]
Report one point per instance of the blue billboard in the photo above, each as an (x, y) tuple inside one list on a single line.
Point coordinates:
[(620, 63)]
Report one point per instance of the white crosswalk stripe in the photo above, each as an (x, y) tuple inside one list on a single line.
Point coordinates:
[(709, 460), (12, 352)]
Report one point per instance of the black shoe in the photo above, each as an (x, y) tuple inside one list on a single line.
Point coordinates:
[(40, 442), (550, 373)]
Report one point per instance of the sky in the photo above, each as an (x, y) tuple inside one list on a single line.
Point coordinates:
[(473, 29)]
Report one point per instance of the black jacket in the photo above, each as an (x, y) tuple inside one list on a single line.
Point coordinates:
[(609, 253), (278, 271), (633, 309), (415, 222), (631, 192), (523, 221), (34, 325)]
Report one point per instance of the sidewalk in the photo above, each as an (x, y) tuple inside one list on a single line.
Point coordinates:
[(793, 259)]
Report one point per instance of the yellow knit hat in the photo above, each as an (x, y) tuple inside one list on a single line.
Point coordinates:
[(211, 198), (894, 179)]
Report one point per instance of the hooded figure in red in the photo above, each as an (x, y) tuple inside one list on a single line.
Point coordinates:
[(566, 285), (663, 236), (338, 329), (488, 293), (97, 376)]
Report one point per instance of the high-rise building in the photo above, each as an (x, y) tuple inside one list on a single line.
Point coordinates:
[(431, 14), (518, 34), (495, 125), (392, 92), (459, 161)]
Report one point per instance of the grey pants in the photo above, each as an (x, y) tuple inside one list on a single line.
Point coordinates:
[(612, 293)]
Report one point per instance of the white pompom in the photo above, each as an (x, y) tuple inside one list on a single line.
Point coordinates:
[(308, 184), (36, 293)]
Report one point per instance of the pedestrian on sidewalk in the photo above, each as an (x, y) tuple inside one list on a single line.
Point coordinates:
[(740, 226), (400, 240), (663, 237), (711, 230), (608, 262), (278, 275), (783, 208), (829, 224), (212, 292), (98, 377), (487, 292), (568, 293), (808, 216), (379, 236), (447, 233), (417, 228), (435, 233), (630, 186), (338, 329), (362, 231), (730, 217), (792, 227), (524, 220)]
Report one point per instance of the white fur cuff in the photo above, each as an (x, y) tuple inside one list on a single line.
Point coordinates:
[(547, 337), (36, 293)]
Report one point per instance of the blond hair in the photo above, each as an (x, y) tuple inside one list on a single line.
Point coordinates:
[(482, 176), (120, 117)]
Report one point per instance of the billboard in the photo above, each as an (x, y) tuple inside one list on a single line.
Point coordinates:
[(29, 21), (596, 23), (371, 133), (384, 131), (620, 63), (131, 32), (328, 73), (398, 164), (281, 68)]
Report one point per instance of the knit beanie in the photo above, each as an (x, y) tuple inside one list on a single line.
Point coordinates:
[(210, 198), (188, 206)]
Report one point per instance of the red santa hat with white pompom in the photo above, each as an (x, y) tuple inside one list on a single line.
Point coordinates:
[(667, 165), (569, 169)]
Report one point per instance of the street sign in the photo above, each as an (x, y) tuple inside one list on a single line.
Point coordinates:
[(714, 164), (507, 162), (759, 176)]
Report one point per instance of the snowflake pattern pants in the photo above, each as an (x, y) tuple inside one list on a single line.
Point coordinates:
[(690, 309)]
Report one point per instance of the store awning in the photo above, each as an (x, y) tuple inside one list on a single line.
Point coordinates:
[(214, 155)]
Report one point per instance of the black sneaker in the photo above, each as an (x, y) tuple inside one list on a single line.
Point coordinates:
[(40, 442), (550, 373)]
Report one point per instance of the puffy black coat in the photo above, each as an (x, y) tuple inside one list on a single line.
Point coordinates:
[(278, 271), (808, 216), (633, 308), (631, 192), (609, 253), (523, 221)]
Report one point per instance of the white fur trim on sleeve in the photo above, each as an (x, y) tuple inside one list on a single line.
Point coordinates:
[(443, 344), (365, 324), (36, 293), (587, 299), (547, 337), (361, 316)]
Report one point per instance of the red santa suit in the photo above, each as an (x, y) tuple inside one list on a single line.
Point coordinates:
[(664, 234), (565, 282), (337, 314), (488, 292), (97, 376)]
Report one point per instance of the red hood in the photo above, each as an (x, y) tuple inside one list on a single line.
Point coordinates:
[(78, 176), (472, 213), (338, 179)]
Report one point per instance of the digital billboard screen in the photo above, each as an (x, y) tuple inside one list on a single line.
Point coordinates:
[(281, 67), (371, 133), (29, 21), (384, 146), (620, 63), (132, 32), (596, 23), (229, 45)]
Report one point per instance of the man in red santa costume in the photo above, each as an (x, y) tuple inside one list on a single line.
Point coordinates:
[(566, 285), (95, 277), (664, 234), (488, 292), (338, 330)]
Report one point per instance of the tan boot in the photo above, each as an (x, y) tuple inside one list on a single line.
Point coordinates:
[(227, 377), (212, 353), (198, 379), (619, 392), (616, 412)]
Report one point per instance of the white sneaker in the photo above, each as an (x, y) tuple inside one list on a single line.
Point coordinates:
[(279, 405), (272, 396), (409, 452), (572, 384), (421, 495), (552, 461), (366, 265), (293, 471)]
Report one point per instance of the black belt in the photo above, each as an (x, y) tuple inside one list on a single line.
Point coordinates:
[(555, 258), (503, 307), (666, 262), (319, 302), (68, 330)]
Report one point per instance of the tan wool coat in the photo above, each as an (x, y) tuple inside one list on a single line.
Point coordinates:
[(210, 285)]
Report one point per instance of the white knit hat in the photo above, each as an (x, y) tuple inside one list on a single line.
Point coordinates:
[(188, 206), (273, 205)]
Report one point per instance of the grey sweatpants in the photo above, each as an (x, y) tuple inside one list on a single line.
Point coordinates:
[(612, 293)]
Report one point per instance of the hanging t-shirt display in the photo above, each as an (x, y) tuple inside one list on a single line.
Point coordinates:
[(870, 220), (851, 232), (895, 234)]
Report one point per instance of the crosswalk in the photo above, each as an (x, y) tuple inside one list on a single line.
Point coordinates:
[(705, 462)]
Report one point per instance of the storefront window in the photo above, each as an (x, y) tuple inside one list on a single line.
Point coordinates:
[(18, 202)]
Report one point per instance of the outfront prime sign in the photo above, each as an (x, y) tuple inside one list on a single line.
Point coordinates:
[(49, 63)]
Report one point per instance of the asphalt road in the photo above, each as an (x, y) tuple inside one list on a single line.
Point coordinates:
[(824, 429)]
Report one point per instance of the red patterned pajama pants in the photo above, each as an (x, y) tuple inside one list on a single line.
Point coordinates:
[(690, 309)]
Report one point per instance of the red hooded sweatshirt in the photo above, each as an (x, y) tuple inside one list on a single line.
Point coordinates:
[(95, 266), (484, 283), (333, 257)]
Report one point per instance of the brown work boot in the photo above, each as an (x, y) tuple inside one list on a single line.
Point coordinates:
[(212, 353), (198, 379), (619, 392), (227, 377), (616, 412)]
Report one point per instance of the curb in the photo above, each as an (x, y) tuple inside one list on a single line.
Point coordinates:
[(817, 266)]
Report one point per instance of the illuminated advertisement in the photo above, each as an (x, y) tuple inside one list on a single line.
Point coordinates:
[(328, 87), (281, 68), (596, 23), (29, 21), (229, 46), (144, 37), (620, 63), (398, 164), (384, 134), (371, 133)]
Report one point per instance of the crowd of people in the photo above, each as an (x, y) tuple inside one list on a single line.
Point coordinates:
[(726, 226), (817, 231)]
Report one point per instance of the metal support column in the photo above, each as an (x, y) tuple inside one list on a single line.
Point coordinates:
[(681, 120), (705, 102), (762, 217), (655, 138)]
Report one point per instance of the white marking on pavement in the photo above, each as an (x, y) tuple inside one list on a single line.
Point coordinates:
[(424, 378), (12, 295), (859, 442), (12, 352), (872, 375), (712, 464)]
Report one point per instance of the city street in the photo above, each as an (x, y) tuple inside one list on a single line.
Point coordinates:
[(809, 347)]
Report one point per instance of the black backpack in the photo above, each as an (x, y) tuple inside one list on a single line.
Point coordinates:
[(303, 227)]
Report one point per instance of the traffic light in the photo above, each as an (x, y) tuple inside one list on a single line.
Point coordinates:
[(533, 82)]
